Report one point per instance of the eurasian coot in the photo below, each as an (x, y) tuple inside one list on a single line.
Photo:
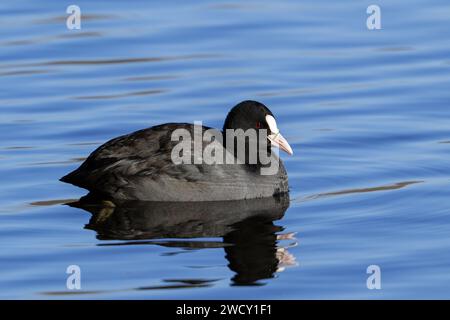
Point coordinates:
[(143, 165)]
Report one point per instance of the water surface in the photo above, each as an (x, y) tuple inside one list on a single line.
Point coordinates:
[(366, 112)]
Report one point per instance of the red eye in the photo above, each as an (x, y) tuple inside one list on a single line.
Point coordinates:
[(258, 125)]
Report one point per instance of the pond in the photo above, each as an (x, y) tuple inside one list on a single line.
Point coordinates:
[(367, 113)]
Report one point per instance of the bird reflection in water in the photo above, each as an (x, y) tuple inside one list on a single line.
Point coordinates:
[(250, 237)]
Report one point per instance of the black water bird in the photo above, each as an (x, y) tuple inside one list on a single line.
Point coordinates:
[(140, 165)]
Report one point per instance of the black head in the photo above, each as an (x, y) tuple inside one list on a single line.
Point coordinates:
[(248, 114), (251, 114)]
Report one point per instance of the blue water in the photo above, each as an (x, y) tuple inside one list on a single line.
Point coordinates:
[(367, 113)]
